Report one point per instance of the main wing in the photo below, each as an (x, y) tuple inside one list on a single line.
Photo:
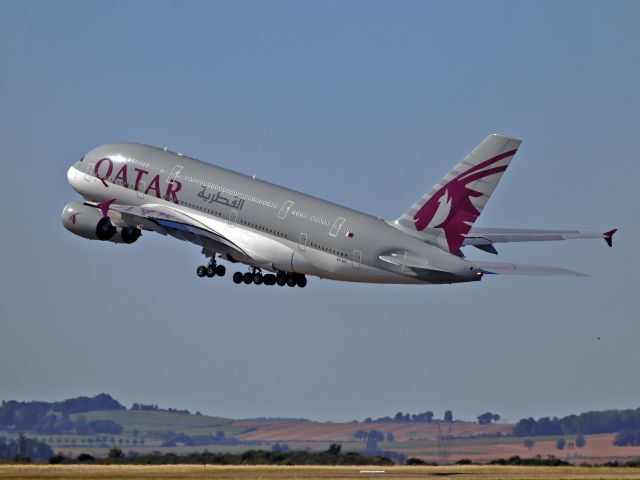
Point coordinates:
[(171, 221), (215, 236), (484, 238)]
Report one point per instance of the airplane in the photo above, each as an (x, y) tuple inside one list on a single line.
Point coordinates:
[(284, 236)]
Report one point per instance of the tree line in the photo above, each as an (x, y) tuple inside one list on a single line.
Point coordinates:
[(607, 421), (332, 456), (424, 417), (54, 417)]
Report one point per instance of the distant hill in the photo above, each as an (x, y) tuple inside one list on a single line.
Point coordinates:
[(93, 425)]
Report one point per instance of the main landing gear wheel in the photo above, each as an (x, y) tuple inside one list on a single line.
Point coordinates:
[(247, 278), (291, 281), (302, 281), (269, 279), (257, 278), (211, 271), (237, 277)]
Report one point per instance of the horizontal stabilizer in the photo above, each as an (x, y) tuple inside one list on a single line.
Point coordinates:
[(519, 269), (479, 237)]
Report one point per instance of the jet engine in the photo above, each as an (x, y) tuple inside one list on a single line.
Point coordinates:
[(87, 221)]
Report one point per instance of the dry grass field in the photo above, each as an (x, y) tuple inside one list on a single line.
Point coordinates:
[(168, 472), (292, 431)]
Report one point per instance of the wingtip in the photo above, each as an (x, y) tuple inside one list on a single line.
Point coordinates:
[(608, 236)]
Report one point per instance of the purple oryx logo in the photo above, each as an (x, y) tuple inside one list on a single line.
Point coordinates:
[(74, 217), (451, 209)]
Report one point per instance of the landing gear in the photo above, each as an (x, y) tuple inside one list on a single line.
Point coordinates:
[(211, 270), (281, 278), (254, 275)]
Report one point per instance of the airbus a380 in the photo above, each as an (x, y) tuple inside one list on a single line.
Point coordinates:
[(283, 236)]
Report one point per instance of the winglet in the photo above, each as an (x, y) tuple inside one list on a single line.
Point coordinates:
[(608, 236), (104, 207)]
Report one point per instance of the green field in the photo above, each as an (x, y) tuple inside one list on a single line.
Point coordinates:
[(167, 472), (154, 421)]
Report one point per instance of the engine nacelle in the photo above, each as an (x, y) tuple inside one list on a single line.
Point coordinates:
[(87, 222)]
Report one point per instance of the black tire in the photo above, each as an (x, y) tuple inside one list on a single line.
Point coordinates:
[(237, 277), (211, 271), (221, 270), (247, 278), (281, 281), (291, 281), (257, 279), (302, 281), (201, 271), (269, 279)]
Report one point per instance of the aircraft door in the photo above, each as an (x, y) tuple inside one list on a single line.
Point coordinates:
[(233, 217), (142, 186), (356, 261), (337, 225), (89, 170), (302, 242), (286, 206), (175, 173)]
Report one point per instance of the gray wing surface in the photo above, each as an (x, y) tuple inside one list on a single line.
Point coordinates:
[(167, 221), (484, 238)]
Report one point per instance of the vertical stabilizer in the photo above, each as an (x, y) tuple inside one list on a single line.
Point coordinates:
[(445, 214)]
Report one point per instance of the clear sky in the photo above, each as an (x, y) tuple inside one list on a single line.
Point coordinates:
[(367, 104)]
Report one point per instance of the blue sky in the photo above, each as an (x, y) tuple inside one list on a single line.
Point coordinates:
[(364, 103)]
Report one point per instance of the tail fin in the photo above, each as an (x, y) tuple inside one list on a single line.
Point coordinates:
[(446, 213)]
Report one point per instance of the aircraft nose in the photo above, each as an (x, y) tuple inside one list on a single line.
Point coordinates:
[(74, 177), (71, 174)]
